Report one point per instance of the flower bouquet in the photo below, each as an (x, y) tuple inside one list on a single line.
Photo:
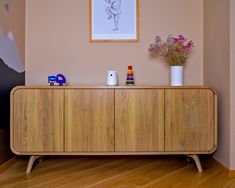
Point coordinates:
[(175, 49)]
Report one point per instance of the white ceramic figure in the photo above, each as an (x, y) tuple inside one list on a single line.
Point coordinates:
[(111, 79)]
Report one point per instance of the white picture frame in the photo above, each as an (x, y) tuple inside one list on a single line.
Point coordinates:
[(114, 20)]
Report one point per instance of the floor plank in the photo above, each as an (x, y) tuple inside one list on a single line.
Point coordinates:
[(115, 172)]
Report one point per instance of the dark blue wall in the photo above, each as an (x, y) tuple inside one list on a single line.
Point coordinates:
[(8, 80)]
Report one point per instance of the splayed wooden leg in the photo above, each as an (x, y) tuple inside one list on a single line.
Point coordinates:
[(197, 161), (32, 159)]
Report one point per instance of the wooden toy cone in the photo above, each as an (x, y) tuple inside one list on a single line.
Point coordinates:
[(130, 81)]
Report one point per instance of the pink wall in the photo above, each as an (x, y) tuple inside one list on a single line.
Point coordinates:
[(57, 42), (217, 67), (232, 84)]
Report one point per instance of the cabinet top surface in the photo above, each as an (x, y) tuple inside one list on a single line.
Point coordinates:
[(112, 87)]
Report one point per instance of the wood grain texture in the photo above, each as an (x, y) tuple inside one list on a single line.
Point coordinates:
[(112, 87), (139, 120), (89, 120), (189, 120), (116, 172), (92, 138), (8, 164), (38, 120)]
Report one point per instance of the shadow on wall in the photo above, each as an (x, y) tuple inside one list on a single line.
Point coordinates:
[(9, 79)]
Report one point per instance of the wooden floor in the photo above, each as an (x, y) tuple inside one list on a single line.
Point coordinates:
[(117, 172)]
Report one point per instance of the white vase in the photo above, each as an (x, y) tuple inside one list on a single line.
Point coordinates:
[(177, 76)]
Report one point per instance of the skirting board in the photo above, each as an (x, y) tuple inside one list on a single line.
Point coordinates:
[(230, 173)]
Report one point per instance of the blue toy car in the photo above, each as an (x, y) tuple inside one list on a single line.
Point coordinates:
[(58, 80)]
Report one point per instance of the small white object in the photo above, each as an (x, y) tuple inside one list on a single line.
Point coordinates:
[(177, 75), (10, 35), (111, 79)]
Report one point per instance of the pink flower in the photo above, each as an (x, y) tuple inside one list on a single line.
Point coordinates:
[(182, 38), (176, 40), (175, 49)]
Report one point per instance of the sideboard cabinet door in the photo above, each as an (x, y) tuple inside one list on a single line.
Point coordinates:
[(89, 120), (189, 125), (38, 120), (139, 120)]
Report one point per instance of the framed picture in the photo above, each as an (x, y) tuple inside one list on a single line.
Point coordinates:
[(114, 20)]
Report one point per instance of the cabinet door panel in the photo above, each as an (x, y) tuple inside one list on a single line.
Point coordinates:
[(89, 120), (38, 120), (139, 120), (189, 120)]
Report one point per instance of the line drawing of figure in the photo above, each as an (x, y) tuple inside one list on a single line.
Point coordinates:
[(114, 11)]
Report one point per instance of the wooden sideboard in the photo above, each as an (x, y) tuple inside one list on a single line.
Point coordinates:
[(113, 121)]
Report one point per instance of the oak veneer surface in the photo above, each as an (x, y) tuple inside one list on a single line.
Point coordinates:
[(113, 120), (139, 120), (89, 120), (189, 116), (38, 119)]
